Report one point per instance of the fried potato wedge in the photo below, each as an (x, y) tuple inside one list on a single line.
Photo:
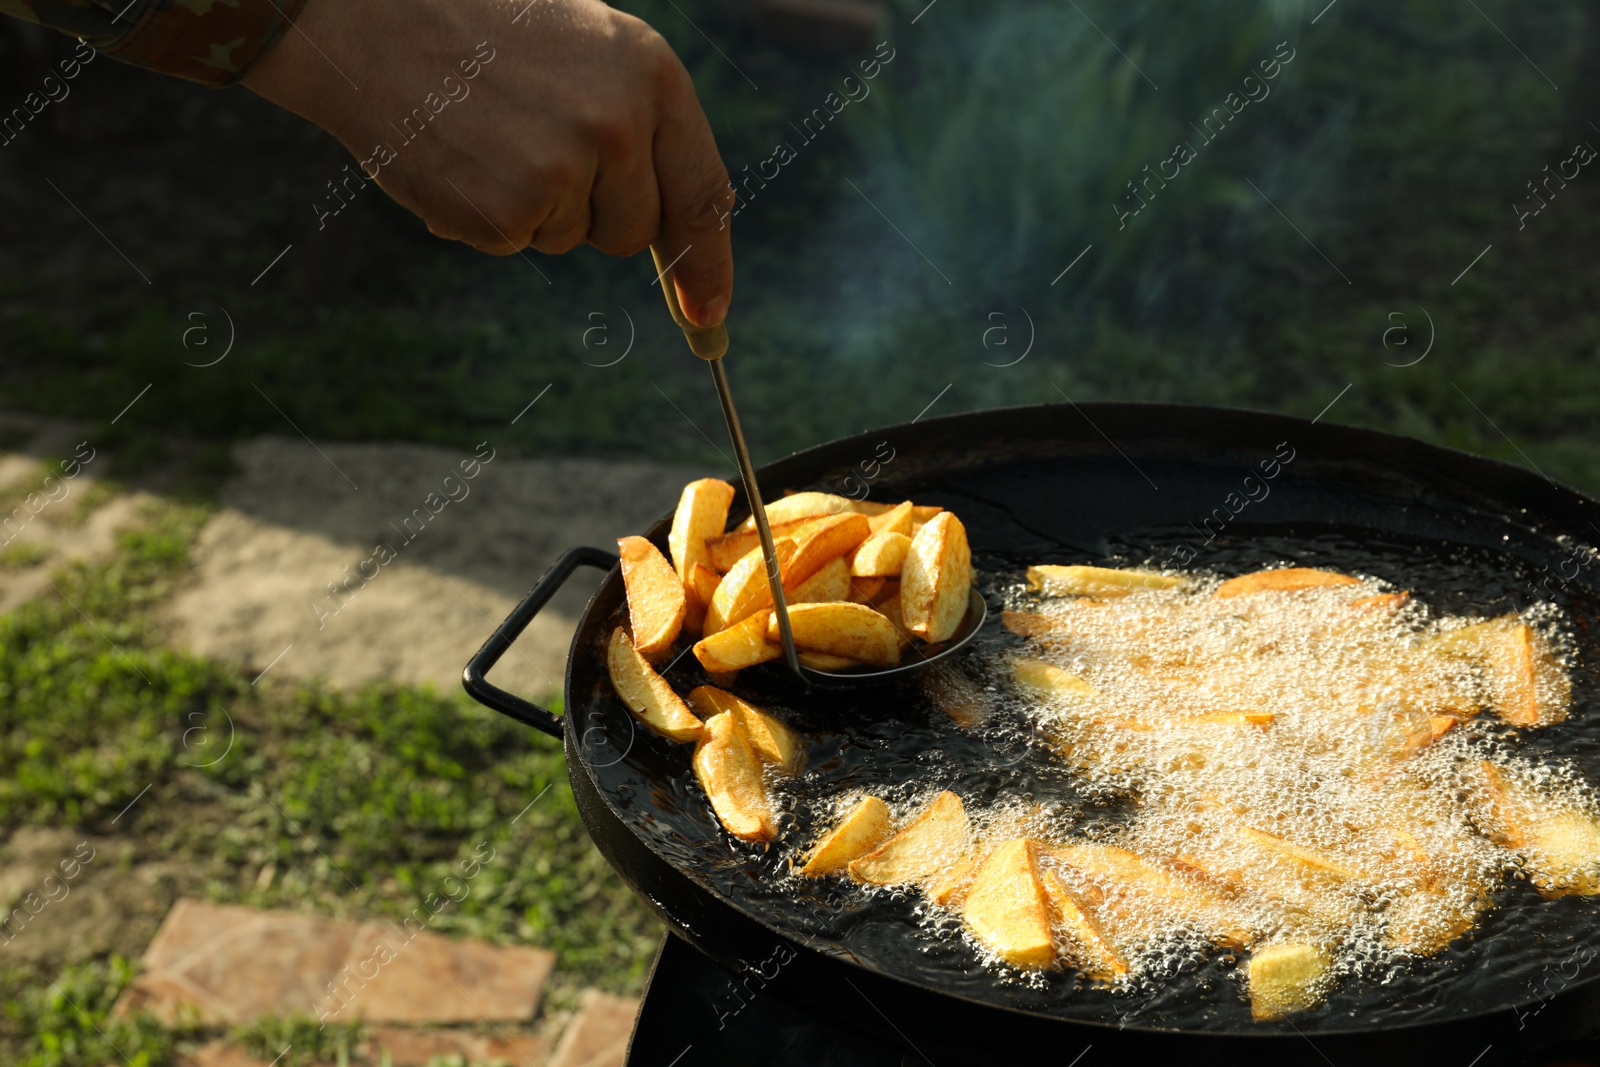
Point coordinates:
[(948, 889), (741, 645), (1050, 681), (1515, 662), (1424, 925), (646, 693), (1560, 846), (1287, 977), (832, 582), (1309, 858), (1051, 580), (774, 742), (1089, 946), (702, 513), (730, 773), (841, 628), (947, 689), (1283, 580), (1132, 882), (724, 550), (799, 507), (744, 590), (821, 542), (881, 556), (1379, 602), (700, 586), (1527, 686), (1006, 909), (811, 505), (864, 828), (657, 601), (863, 590), (936, 579), (897, 519), (937, 839)]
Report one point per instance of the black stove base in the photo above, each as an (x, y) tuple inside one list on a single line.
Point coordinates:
[(697, 1013)]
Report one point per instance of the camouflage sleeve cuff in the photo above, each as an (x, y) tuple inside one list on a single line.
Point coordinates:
[(208, 41)]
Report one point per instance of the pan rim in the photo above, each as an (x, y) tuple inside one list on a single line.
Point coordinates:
[(1539, 484)]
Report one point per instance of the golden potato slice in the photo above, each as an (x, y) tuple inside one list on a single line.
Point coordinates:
[(863, 829), (739, 646), (947, 689), (1141, 892), (1051, 580), (657, 602), (1564, 852), (821, 542), (774, 742), (949, 888), (1424, 925), (863, 590), (1283, 580), (1559, 845), (896, 520), (1050, 680), (832, 582), (799, 507), (730, 773), (938, 838), (1287, 977), (1379, 602), (702, 513), (700, 586), (1006, 908), (821, 661), (1032, 624), (723, 679), (889, 608), (841, 628), (1515, 662), (881, 556), (1306, 857), (646, 693), (1092, 949), (936, 579), (728, 549), (744, 590)]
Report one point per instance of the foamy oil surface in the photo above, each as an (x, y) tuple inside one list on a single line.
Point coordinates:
[(1323, 774)]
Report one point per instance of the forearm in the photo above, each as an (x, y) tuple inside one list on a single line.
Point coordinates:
[(213, 47)]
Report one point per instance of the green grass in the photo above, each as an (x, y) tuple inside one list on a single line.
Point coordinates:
[(357, 804)]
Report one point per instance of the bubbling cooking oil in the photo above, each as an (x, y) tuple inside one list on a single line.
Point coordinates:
[(1336, 767)]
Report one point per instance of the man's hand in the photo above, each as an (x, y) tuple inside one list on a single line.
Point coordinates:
[(578, 125)]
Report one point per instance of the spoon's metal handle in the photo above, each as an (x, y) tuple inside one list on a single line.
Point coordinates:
[(707, 342), (711, 344)]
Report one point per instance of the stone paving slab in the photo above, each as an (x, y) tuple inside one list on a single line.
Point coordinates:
[(418, 977), (228, 964), (233, 964), (598, 1034)]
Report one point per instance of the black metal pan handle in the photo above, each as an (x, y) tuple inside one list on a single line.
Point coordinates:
[(473, 677)]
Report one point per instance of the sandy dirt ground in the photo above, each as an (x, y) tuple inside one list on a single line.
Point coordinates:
[(361, 563), (349, 562)]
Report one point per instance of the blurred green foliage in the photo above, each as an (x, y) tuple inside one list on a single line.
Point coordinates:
[(875, 268)]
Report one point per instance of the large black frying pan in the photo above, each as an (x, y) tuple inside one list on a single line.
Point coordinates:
[(1196, 487)]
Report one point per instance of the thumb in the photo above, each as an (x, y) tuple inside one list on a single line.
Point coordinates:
[(696, 208)]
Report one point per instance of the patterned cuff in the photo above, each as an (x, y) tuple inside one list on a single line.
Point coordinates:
[(212, 42)]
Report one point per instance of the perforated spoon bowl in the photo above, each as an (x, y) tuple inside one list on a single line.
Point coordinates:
[(710, 343)]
